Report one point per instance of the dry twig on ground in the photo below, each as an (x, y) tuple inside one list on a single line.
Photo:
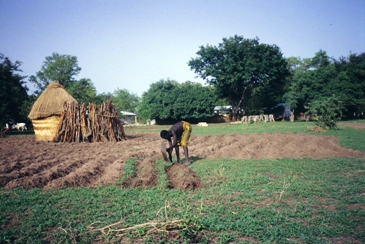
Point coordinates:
[(151, 226)]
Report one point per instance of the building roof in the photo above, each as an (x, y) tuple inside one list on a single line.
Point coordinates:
[(222, 108), (127, 113), (50, 102)]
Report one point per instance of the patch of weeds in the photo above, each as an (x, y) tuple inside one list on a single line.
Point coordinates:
[(219, 173), (226, 238), (162, 181), (128, 170), (287, 182), (189, 225)]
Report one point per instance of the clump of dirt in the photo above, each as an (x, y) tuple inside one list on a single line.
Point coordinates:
[(182, 177), (316, 129)]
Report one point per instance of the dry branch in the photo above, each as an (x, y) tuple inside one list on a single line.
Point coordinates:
[(93, 123), (151, 226)]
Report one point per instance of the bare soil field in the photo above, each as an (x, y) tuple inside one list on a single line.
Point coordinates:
[(28, 164)]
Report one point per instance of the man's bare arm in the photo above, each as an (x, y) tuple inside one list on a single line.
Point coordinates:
[(174, 143)]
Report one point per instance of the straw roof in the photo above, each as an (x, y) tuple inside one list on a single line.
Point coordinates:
[(50, 102)]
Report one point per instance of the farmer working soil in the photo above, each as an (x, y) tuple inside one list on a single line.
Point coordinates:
[(181, 133)]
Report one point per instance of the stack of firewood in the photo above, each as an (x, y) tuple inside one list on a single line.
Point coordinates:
[(91, 123)]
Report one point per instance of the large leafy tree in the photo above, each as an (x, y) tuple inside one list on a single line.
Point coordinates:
[(241, 69), (292, 97), (321, 77), (13, 91), (125, 100), (63, 69), (309, 78), (167, 99), (57, 67), (193, 101), (349, 84), (157, 100)]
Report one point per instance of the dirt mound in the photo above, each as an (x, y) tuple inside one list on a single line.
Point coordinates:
[(29, 164), (182, 177), (276, 145)]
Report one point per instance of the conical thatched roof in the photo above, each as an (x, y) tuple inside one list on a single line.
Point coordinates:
[(50, 102)]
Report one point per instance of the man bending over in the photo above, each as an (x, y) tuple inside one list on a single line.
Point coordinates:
[(180, 132)]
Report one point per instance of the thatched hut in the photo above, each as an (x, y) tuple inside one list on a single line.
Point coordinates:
[(46, 111)]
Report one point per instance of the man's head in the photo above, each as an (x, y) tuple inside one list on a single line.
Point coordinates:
[(165, 134)]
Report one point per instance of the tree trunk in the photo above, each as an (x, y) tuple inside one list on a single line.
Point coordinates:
[(234, 114)]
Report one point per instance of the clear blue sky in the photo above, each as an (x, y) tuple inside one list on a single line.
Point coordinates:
[(129, 44)]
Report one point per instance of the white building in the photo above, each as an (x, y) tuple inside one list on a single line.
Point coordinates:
[(129, 117)]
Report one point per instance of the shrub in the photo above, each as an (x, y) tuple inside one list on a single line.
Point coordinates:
[(326, 112)]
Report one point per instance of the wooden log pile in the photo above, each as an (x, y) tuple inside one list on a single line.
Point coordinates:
[(80, 123)]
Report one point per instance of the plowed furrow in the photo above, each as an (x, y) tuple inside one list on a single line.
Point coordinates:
[(43, 178), (83, 176)]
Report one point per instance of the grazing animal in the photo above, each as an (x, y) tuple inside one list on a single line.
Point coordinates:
[(19, 126)]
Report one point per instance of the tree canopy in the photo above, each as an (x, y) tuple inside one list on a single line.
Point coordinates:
[(242, 69), (57, 67), (13, 91), (64, 69), (125, 100), (167, 99), (82, 90), (321, 77)]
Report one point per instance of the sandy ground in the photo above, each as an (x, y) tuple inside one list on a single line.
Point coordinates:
[(27, 163)]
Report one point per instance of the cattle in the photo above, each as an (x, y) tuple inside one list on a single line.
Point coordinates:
[(19, 126)]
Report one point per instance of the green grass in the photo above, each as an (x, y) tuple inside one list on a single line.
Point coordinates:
[(267, 201), (228, 128), (349, 137)]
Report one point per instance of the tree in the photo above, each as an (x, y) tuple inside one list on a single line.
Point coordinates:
[(157, 101), (13, 92), (296, 67), (240, 67), (320, 77), (193, 101), (103, 97), (63, 69), (82, 90), (60, 68), (308, 80), (350, 83), (125, 100), (167, 99)]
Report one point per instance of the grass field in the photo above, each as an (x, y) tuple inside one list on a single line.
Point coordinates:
[(243, 201)]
